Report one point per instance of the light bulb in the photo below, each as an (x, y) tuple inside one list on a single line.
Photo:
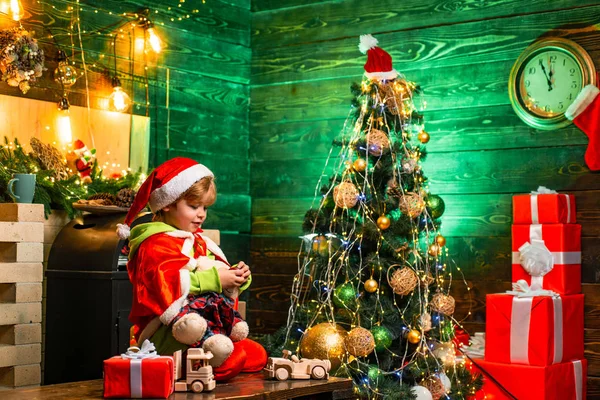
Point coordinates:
[(63, 122), (65, 74), (118, 99), (12, 8), (154, 40)]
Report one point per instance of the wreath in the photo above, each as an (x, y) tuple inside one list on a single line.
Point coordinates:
[(21, 59)]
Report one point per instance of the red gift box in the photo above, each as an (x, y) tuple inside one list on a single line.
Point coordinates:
[(563, 241), (564, 381), (145, 378), (540, 330), (543, 209)]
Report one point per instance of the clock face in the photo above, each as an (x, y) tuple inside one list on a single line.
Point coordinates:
[(549, 82)]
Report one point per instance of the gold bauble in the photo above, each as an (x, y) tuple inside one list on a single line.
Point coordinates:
[(403, 281), (377, 142), (360, 342), (325, 341), (411, 204), (423, 137), (414, 336), (442, 303), (345, 195), (440, 240), (360, 164), (434, 250), (383, 222), (435, 386), (371, 285)]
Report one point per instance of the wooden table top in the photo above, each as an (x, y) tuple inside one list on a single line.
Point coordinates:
[(244, 386)]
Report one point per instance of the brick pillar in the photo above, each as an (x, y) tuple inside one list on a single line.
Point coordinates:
[(21, 256)]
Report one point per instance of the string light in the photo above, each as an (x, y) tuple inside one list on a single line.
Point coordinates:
[(118, 100), (65, 134)]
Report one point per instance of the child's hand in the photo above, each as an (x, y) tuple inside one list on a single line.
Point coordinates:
[(245, 269), (231, 278)]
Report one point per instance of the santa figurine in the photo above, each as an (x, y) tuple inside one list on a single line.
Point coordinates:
[(82, 159)]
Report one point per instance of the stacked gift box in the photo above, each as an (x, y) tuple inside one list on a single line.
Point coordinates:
[(534, 334)]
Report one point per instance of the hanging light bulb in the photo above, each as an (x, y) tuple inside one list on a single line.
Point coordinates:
[(65, 74), (152, 38), (118, 100), (12, 8), (63, 122)]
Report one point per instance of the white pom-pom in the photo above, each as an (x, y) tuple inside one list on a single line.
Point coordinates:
[(366, 42), (123, 231)]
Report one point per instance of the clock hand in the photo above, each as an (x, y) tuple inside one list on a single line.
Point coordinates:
[(546, 75)]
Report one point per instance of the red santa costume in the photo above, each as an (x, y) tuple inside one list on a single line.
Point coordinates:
[(163, 267)]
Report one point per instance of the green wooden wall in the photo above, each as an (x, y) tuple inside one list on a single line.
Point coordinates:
[(204, 70), (304, 58)]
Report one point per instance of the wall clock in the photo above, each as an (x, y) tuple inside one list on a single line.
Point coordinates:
[(546, 79)]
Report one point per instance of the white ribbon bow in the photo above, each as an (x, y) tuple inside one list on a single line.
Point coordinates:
[(476, 347), (135, 353), (522, 289), (535, 258), (543, 190)]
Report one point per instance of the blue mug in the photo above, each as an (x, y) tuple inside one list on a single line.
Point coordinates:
[(22, 188)]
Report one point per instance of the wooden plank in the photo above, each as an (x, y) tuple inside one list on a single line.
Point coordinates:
[(314, 100), (477, 128), (231, 212), (265, 5), (353, 18), (477, 215), (494, 171), (231, 172), (478, 42), (203, 133)]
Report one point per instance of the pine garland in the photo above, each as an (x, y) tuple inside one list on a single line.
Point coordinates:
[(51, 192)]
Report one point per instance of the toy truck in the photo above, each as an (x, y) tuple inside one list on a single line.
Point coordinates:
[(198, 373), (282, 368)]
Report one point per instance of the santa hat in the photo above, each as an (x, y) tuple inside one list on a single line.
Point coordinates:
[(164, 186), (379, 62), (585, 113)]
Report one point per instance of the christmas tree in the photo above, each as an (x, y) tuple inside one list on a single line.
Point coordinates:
[(372, 289)]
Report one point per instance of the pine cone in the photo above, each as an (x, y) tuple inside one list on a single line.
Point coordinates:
[(125, 197), (108, 198)]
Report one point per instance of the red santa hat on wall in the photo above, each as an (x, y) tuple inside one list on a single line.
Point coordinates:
[(379, 62), (585, 113), (164, 186)]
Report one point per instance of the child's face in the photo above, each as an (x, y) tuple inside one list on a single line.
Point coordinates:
[(185, 215)]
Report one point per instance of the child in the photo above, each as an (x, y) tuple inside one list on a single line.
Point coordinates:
[(177, 300)]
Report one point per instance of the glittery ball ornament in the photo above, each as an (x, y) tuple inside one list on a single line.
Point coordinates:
[(344, 296), (403, 281), (345, 195), (377, 142), (436, 205), (325, 341), (360, 342), (442, 303), (383, 337), (411, 204), (423, 137), (371, 285)]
